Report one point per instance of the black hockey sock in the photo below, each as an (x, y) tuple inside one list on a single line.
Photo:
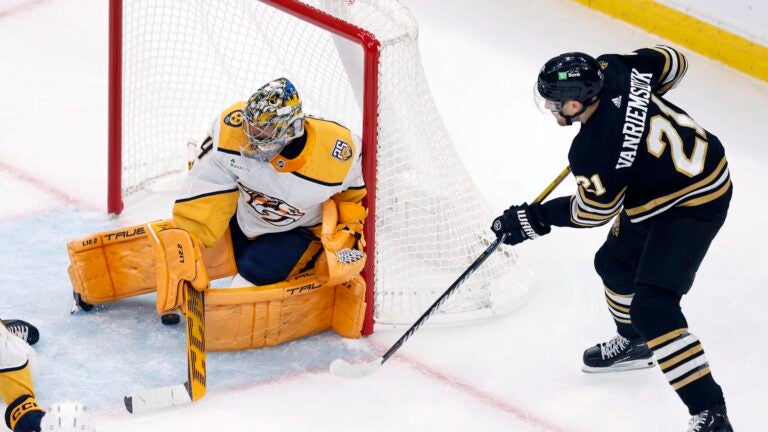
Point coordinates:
[(657, 316), (619, 305)]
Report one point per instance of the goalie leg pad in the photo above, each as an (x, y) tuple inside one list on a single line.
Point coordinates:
[(112, 265), (349, 308), (261, 316)]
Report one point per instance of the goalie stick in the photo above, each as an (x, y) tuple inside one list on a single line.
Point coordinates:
[(343, 368), (194, 388)]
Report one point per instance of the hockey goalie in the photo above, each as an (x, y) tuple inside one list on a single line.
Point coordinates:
[(273, 202)]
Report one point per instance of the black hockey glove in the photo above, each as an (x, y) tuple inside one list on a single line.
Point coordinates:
[(520, 223), (23, 415)]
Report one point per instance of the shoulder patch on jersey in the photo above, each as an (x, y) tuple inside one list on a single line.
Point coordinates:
[(342, 151), (603, 64), (333, 153), (234, 119)]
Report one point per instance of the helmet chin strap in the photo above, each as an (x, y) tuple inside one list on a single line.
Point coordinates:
[(569, 118)]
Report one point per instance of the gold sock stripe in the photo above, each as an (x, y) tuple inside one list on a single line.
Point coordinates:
[(613, 305), (653, 343), (691, 378), (621, 320), (615, 294), (680, 357)]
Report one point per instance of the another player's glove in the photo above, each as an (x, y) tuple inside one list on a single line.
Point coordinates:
[(520, 223), (23, 414)]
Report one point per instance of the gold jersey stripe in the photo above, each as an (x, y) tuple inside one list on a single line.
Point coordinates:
[(601, 205), (595, 217), (653, 343), (691, 378), (680, 357), (667, 62), (650, 205), (707, 198)]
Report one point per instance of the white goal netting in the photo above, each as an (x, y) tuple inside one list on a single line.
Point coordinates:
[(186, 60)]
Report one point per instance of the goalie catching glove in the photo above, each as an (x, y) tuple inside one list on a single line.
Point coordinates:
[(520, 223), (343, 255)]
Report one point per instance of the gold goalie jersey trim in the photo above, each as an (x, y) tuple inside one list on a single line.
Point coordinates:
[(278, 196)]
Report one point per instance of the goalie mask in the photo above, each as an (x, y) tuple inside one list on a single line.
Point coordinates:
[(272, 117)]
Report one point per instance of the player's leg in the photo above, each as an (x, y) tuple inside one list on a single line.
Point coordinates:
[(616, 263), (673, 253), (272, 258), (22, 412)]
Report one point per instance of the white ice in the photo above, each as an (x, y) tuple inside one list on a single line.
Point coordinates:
[(519, 372)]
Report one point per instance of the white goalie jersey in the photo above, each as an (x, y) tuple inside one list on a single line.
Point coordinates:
[(268, 197)]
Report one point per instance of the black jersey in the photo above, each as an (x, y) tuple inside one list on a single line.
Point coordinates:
[(641, 153)]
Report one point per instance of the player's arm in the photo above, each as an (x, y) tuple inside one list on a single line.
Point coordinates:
[(208, 197), (593, 205), (582, 210), (667, 64), (343, 254)]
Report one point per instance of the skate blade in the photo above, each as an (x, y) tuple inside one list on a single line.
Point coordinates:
[(622, 367)]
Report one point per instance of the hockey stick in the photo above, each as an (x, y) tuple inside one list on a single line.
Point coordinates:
[(194, 388), (345, 369)]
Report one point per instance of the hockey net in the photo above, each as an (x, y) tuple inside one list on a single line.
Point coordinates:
[(177, 63)]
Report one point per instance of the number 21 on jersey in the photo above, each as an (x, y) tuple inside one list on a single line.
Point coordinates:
[(663, 132), (592, 185)]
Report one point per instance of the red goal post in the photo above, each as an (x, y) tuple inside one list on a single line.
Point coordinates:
[(426, 221)]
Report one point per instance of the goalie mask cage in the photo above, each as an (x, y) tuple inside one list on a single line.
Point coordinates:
[(176, 64)]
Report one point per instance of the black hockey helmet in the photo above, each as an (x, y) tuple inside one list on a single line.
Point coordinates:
[(570, 76)]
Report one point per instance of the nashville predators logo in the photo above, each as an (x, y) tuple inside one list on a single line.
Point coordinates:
[(272, 210), (603, 64), (342, 151), (234, 119)]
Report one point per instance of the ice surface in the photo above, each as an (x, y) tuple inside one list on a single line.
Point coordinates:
[(518, 372)]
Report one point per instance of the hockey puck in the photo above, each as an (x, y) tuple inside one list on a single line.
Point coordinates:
[(170, 319)]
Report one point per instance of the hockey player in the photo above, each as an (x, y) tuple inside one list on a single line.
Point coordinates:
[(23, 413), (642, 161), (273, 199)]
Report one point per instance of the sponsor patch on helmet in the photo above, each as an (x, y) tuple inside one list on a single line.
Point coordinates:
[(234, 119), (342, 151)]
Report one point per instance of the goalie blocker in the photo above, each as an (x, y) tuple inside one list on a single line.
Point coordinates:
[(117, 264)]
